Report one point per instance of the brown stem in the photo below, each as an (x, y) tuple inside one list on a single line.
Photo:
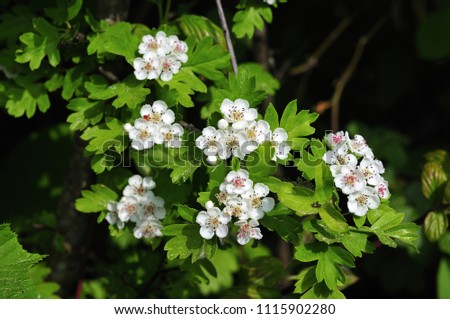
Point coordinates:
[(226, 30), (348, 72), (322, 48)]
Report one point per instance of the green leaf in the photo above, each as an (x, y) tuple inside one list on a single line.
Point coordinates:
[(117, 39), (25, 100), (387, 225), (443, 279), (105, 136), (207, 59), (15, 267), (288, 118), (185, 83), (305, 280), (259, 163), (271, 116), (130, 92), (302, 125), (41, 44), (444, 243), (186, 242), (45, 289), (432, 36), (333, 218), (86, 113), (201, 27), (96, 199), (287, 227), (357, 243), (435, 225), (264, 80), (64, 10), (187, 213), (240, 86), (245, 21), (321, 291), (324, 183), (329, 259), (433, 180)]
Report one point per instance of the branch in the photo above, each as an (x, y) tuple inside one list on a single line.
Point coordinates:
[(224, 24), (348, 72), (323, 47)]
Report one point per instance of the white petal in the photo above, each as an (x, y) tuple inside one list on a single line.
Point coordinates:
[(146, 110), (211, 160), (256, 213), (268, 204), (256, 233), (209, 204), (135, 180), (261, 190), (251, 114), (160, 213), (242, 104), (168, 117), (222, 124), (112, 206), (206, 232), (202, 218), (159, 106), (148, 183), (137, 145), (129, 190), (242, 239), (222, 231), (226, 106), (166, 76)]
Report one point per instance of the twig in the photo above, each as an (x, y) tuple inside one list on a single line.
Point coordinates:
[(224, 24), (348, 72), (323, 47), (189, 126)]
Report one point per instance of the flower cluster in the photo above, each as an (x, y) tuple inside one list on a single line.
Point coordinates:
[(140, 206), (239, 133), (155, 127), (243, 201), (356, 172), (161, 57)]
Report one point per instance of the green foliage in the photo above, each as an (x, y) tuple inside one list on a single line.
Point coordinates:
[(25, 98), (105, 136), (201, 27), (39, 45), (96, 199), (251, 17), (15, 267), (443, 278)]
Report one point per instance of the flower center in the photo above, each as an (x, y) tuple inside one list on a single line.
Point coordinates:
[(214, 222), (251, 133), (168, 136), (341, 160), (143, 134), (150, 209), (237, 115), (350, 179), (336, 139), (222, 197), (232, 142), (140, 190), (238, 182), (130, 209), (237, 210), (256, 201), (362, 200)]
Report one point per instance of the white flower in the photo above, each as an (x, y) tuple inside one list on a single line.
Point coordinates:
[(248, 229), (138, 186), (112, 217), (270, 2), (141, 134), (260, 204), (382, 189), (349, 179), (334, 139), (159, 45), (278, 141), (222, 124), (359, 202), (233, 142), (148, 228), (147, 67), (255, 133), (238, 112), (128, 208), (237, 183), (212, 143), (237, 207), (371, 170), (169, 66), (340, 156), (152, 206), (170, 135), (178, 48), (358, 145), (158, 113), (213, 221)]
